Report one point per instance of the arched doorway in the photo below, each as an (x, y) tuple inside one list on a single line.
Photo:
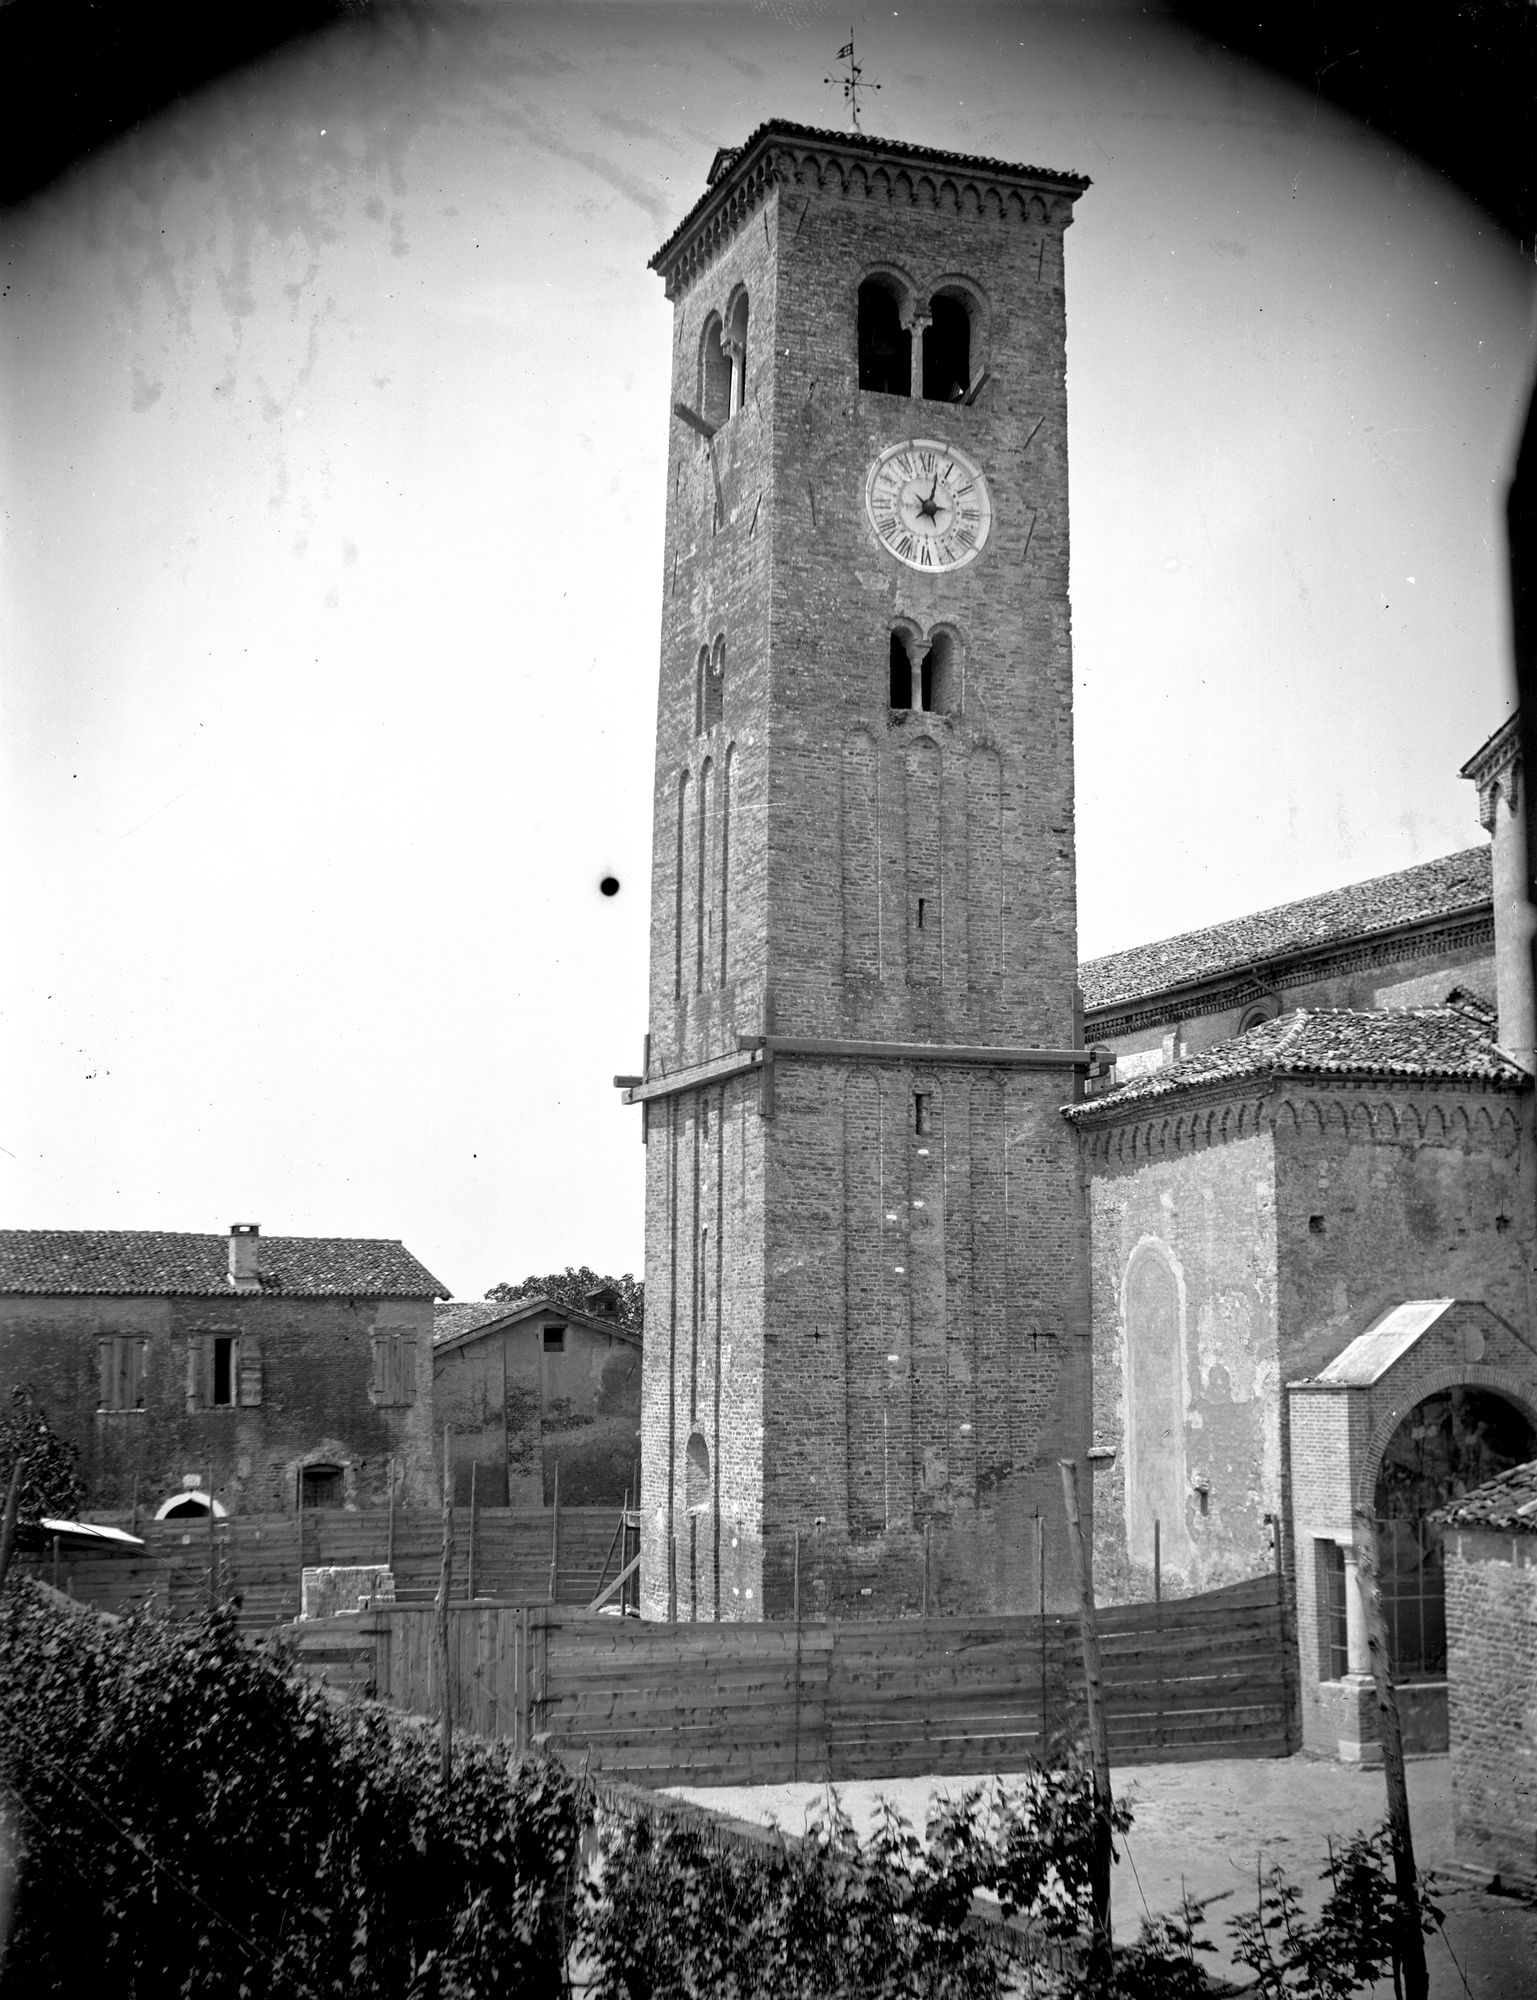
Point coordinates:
[(1446, 1445)]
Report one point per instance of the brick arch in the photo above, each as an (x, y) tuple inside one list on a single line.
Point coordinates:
[(1431, 1382)]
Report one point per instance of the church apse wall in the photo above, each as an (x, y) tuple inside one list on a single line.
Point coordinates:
[(1186, 1374)]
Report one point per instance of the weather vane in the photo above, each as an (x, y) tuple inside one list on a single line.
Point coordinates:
[(851, 83)]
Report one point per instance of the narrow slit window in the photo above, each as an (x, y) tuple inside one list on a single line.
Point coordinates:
[(922, 910), (736, 354), (713, 696), (923, 1113)]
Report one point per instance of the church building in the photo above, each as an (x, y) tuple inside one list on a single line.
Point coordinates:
[(867, 1331)]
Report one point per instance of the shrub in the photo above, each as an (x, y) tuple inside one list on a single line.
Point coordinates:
[(184, 1816)]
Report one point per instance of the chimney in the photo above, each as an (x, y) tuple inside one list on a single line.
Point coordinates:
[(243, 1241), (1496, 770)]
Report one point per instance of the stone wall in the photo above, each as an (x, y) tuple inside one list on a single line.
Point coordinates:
[(1491, 1612)]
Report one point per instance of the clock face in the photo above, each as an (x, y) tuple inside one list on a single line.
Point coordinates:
[(928, 504)]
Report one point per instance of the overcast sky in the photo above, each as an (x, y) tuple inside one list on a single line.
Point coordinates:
[(334, 420)]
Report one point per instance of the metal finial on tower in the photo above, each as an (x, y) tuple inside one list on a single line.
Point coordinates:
[(852, 84)]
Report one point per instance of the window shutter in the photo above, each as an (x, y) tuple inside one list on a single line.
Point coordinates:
[(405, 1369), (106, 1355), (380, 1390), (133, 1373), (250, 1380)]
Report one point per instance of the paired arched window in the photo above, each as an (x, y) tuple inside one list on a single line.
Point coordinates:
[(946, 330), (697, 1474), (710, 685), (885, 344), (923, 672), (723, 363)]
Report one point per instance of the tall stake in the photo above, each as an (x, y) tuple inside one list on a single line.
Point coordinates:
[(213, 1549), (1099, 1739), (445, 1585), (8, 1519), (555, 1538), (1411, 1937), (470, 1585), (389, 1546)]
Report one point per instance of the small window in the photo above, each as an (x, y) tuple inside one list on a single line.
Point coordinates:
[(321, 1486), (697, 1474), (1333, 1623), (923, 1113), (714, 374), (120, 1358), (947, 350), (211, 1366), (885, 345), (1257, 1016), (554, 1340), (712, 684)]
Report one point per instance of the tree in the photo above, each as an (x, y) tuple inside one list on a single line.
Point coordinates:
[(50, 1477), (573, 1287), (38, 1473)]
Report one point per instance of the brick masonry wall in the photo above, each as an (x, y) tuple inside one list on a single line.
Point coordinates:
[(1491, 1621), (316, 1405), (1383, 1195), (787, 899)]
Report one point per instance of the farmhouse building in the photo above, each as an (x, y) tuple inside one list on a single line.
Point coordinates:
[(539, 1398), (295, 1371)]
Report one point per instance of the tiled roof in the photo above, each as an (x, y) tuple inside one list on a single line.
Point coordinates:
[(1508, 1504), (1429, 1042), (1457, 884), (164, 1262), (727, 157), (453, 1319)]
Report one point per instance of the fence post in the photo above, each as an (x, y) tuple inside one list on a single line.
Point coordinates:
[(1410, 1948), (555, 1538), (470, 1584), (926, 1569), (1099, 1740), (213, 1549), (389, 1546), (523, 1682), (445, 1585), (1157, 1560)]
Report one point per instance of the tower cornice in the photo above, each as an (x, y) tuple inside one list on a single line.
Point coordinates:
[(779, 154)]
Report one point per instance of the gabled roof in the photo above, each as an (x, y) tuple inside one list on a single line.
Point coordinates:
[(1429, 1043), (455, 1321), (1457, 885), (1507, 1504), (1387, 1340), (174, 1263)]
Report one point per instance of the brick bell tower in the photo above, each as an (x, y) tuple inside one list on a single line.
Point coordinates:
[(867, 1332)]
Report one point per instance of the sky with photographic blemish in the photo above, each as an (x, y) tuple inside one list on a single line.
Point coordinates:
[(333, 408)]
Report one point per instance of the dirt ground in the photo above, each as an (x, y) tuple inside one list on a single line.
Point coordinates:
[(1206, 1828)]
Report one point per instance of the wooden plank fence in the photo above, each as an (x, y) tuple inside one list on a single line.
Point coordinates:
[(665, 1704), (258, 1557)]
